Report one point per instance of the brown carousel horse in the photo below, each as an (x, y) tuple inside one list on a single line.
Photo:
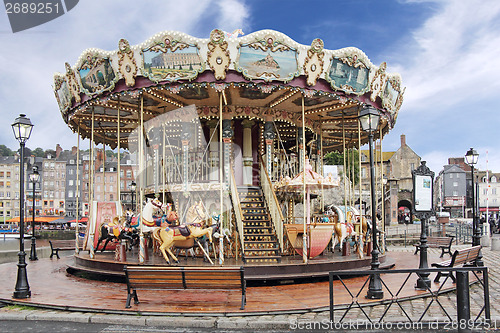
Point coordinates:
[(177, 236)]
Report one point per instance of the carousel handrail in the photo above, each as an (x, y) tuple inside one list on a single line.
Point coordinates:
[(272, 201), (235, 198)]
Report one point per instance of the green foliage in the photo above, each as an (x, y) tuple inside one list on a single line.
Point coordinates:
[(38, 152), (352, 162), (6, 151)]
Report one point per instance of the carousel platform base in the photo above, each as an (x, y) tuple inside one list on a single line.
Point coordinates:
[(53, 288), (291, 267)]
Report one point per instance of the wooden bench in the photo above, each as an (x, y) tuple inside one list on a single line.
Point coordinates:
[(443, 243), (163, 277), (463, 257), (61, 245)]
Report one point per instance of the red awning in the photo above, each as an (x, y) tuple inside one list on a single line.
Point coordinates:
[(490, 209), (83, 219)]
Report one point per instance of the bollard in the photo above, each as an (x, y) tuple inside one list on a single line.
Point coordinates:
[(463, 301), (495, 243)]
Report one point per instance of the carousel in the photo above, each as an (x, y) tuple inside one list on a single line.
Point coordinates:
[(227, 137)]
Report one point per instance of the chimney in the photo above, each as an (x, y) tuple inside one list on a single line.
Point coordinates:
[(58, 150), (403, 140), (73, 150)]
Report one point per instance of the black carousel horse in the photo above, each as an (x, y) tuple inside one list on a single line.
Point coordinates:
[(115, 231)]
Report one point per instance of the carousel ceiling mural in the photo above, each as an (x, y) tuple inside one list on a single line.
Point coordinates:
[(264, 75)]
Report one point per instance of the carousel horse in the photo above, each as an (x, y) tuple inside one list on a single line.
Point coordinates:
[(171, 236), (343, 230), (114, 230), (147, 220), (189, 245)]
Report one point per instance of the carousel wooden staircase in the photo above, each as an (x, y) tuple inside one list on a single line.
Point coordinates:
[(261, 243)]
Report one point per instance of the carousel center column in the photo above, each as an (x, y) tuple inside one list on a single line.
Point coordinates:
[(186, 137), (247, 151), (269, 136), (227, 137)]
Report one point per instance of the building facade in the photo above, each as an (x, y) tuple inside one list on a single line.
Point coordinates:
[(451, 191)]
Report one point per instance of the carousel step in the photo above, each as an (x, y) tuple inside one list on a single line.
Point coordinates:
[(259, 259), (274, 248)]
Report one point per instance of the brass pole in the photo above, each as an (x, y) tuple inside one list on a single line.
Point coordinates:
[(91, 190), (77, 250), (118, 169), (304, 236)]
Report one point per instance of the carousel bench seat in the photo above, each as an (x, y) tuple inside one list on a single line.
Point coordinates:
[(161, 278)]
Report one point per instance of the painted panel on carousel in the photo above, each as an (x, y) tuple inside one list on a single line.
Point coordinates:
[(171, 60), (348, 74), (63, 95), (391, 93), (96, 74), (268, 60)]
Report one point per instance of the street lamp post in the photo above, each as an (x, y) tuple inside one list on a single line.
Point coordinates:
[(369, 119), (471, 158), (34, 178), (423, 206), (22, 130), (133, 187)]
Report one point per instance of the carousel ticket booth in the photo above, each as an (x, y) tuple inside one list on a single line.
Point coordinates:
[(231, 122)]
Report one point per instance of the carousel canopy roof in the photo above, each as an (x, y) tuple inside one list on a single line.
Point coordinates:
[(264, 75)]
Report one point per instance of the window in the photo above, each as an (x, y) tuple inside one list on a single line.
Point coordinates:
[(451, 175), (98, 178), (111, 179), (111, 188), (70, 182), (1, 174), (485, 191), (98, 187), (8, 174), (121, 174), (455, 193), (111, 197), (129, 173), (493, 179), (455, 184), (412, 166), (7, 184), (493, 191), (1, 184)]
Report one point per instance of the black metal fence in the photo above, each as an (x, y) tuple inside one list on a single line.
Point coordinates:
[(445, 304)]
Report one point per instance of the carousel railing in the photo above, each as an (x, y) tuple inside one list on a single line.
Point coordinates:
[(272, 202), (287, 165), (200, 168), (235, 199)]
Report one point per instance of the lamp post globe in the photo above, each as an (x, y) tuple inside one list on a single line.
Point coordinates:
[(34, 179), (471, 158), (22, 127), (369, 118)]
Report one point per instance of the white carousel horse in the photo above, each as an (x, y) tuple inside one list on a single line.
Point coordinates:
[(342, 230), (170, 235), (147, 219)]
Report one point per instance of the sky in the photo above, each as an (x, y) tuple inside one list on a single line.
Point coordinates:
[(446, 51)]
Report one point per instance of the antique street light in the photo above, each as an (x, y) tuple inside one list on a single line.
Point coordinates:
[(133, 187), (34, 178), (471, 158), (369, 119), (423, 206), (22, 130)]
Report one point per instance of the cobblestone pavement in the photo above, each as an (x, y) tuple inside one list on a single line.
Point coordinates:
[(308, 321)]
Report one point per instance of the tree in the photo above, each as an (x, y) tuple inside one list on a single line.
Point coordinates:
[(38, 152), (337, 158), (50, 152), (5, 151)]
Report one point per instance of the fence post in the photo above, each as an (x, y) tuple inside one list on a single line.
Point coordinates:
[(463, 301), (331, 296)]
